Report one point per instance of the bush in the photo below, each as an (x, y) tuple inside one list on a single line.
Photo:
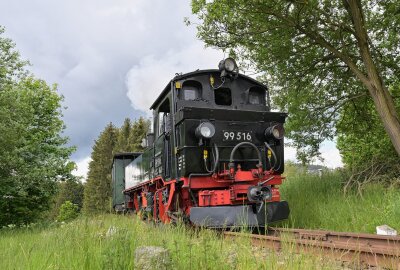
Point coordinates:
[(68, 211)]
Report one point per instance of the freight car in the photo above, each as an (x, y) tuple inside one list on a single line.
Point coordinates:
[(120, 162), (215, 157)]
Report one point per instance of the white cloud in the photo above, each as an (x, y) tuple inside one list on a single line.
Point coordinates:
[(82, 168), (146, 80)]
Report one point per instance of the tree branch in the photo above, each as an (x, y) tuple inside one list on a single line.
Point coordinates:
[(317, 38)]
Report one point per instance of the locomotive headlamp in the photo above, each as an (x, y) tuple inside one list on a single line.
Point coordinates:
[(276, 131), (230, 64), (228, 67), (205, 130)]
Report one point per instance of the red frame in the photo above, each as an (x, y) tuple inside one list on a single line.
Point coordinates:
[(226, 188)]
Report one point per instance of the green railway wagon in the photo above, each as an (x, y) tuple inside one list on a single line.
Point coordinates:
[(120, 161)]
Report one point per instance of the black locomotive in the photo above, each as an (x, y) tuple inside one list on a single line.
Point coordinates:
[(215, 157)]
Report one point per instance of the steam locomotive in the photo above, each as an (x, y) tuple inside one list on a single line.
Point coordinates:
[(214, 158)]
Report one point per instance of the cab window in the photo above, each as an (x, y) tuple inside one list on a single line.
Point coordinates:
[(164, 120), (189, 94), (256, 96), (191, 90), (223, 96)]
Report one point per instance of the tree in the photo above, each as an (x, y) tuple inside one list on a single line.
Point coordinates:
[(33, 154), (12, 67), (138, 132), (123, 141), (128, 138), (97, 193), (365, 148), (69, 190), (68, 211), (361, 136), (319, 56), (131, 134)]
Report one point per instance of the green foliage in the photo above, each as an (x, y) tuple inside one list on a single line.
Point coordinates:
[(112, 140), (97, 191), (138, 132), (123, 141), (68, 211), (11, 66), (130, 135), (361, 136), (292, 169), (310, 56), (33, 154), (69, 190)]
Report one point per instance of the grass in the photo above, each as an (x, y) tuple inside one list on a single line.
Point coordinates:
[(84, 244), (316, 203), (320, 203)]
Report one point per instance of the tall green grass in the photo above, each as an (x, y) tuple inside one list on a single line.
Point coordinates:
[(315, 203), (84, 244), (320, 203)]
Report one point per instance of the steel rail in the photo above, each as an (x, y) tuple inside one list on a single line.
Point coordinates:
[(360, 248)]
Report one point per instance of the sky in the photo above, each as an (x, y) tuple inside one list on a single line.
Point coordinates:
[(110, 59)]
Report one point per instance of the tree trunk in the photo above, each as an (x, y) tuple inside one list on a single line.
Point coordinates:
[(383, 101), (385, 107)]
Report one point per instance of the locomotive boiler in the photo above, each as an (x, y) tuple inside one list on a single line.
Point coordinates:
[(215, 157)]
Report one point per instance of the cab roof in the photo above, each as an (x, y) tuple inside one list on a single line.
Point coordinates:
[(192, 74)]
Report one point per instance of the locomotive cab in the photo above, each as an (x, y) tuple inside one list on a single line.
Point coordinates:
[(217, 153), (238, 112)]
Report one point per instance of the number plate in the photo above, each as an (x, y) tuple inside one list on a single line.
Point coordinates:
[(237, 135)]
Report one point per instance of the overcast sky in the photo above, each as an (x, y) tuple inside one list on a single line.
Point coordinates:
[(110, 59)]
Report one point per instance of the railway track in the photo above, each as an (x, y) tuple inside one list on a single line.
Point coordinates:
[(359, 248)]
